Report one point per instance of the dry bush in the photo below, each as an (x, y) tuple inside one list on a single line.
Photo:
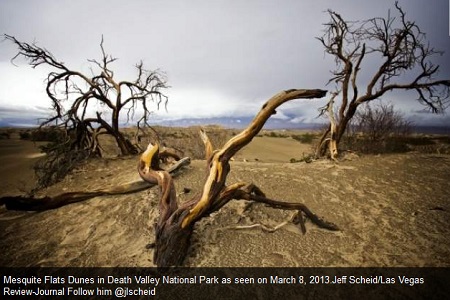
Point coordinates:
[(5, 135), (381, 122), (378, 129), (61, 158), (305, 138), (274, 133), (429, 144)]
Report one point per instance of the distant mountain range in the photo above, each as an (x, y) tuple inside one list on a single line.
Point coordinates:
[(227, 122), (272, 123), (237, 123)]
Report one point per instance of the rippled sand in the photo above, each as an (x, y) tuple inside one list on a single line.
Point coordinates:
[(394, 210)]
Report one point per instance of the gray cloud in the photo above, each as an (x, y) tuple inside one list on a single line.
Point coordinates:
[(221, 57), (21, 115)]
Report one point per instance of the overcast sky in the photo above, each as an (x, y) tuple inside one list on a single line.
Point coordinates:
[(221, 58)]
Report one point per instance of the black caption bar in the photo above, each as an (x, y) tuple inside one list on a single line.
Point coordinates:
[(225, 283)]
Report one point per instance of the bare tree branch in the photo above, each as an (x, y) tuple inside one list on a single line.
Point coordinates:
[(403, 52)]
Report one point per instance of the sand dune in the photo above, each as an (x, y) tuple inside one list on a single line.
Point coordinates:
[(393, 210)]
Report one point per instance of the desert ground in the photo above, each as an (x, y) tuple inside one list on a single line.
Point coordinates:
[(392, 209)]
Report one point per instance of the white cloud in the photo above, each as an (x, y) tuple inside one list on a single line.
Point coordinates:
[(22, 85), (205, 103), (280, 115)]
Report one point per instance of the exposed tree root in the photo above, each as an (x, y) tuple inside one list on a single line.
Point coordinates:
[(301, 208), (33, 203)]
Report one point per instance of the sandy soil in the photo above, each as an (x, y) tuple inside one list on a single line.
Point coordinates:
[(16, 164), (394, 210), (273, 149)]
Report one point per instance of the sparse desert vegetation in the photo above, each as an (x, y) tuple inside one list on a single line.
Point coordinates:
[(393, 209)]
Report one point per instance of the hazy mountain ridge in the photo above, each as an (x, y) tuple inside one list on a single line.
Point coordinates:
[(237, 122), (233, 122)]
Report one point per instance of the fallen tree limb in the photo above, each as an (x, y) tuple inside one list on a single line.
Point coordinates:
[(266, 228), (174, 226), (301, 208), (33, 203)]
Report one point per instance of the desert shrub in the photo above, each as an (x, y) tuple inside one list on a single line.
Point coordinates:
[(58, 162), (381, 122), (443, 139), (275, 134), (416, 140), (63, 154), (25, 135), (427, 144), (379, 129), (47, 134), (306, 138), (5, 135), (306, 158)]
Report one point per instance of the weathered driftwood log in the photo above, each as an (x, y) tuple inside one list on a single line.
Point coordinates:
[(175, 224), (33, 203)]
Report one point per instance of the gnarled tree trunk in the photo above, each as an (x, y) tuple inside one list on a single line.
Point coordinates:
[(175, 224), (333, 131)]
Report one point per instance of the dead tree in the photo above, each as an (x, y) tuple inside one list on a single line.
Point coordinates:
[(405, 63), (84, 107), (175, 224), (74, 95)]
